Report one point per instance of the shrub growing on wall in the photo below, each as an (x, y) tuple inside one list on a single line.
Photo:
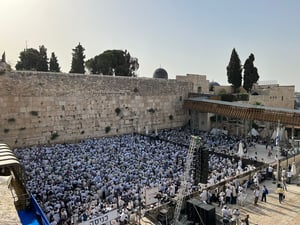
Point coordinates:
[(6, 130), (243, 97), (118, 111), (151, 110), (107, 129), (11, 120), (54, 135), (228, 98), (34, 113)]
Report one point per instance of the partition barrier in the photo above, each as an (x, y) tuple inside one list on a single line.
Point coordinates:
[(42, 218)]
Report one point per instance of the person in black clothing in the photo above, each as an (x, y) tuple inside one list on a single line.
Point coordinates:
[(264, 194), (247, 219)]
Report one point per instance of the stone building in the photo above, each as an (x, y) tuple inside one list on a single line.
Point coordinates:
[(273, 95), (200, 83)]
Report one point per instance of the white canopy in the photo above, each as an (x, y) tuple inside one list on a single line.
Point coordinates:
[(282, 133), (240, 152), (9, 160), (293, 169), (216, 131), (253, 132)]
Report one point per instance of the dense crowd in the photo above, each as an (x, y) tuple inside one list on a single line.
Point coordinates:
[(83, 180)]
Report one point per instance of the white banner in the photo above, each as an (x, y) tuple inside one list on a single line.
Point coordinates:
[(106, 218), (150, 194)]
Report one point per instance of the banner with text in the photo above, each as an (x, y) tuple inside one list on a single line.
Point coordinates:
[(106, 218), (150, 194)]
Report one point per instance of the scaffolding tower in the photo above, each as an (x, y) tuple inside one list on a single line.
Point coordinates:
[(182, 192)]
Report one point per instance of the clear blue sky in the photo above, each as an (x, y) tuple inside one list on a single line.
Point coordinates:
[(186, 36)]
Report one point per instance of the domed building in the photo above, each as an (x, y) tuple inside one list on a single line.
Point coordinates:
[(160, 73), (212, 85)]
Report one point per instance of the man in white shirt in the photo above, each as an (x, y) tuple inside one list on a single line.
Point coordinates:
[(225, 215), (289, 177), (122, 218), (270, 171), (203, 196), (236, 216), (283, 172), (228, 192), (256, 195)]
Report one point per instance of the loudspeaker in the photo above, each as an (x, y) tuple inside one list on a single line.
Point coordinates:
[(163, 217), (196, 209), (201, 166)]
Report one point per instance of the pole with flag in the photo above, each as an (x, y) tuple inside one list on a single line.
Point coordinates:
[(277, 139)]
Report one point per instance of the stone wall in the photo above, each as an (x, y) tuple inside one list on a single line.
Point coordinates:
[(200, 83), (44, 108), (218, 90)]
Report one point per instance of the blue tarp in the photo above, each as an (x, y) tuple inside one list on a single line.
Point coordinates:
[(28, 217)]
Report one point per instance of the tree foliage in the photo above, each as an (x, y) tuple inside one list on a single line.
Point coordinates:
[(234, 70), (78, 60), (113, 62), (53, 64), (42, 64), (250, 73), (32, 59)]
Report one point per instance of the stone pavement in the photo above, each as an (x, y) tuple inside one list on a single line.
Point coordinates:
[(262, 153), (8, 213), (272, 212)]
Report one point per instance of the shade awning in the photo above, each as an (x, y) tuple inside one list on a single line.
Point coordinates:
[(9, 160)]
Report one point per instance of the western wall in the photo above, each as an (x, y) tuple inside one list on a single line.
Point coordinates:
[(45, 108)]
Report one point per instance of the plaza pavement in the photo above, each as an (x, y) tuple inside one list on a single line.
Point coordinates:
[(8, 213), (272, 212)]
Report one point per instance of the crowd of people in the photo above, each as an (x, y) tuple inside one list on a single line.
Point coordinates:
[(80, 181)]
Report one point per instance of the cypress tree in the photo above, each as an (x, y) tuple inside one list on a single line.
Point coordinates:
[(234, 70), (54, 66), (250, 73), (42, 64), (78, 60)]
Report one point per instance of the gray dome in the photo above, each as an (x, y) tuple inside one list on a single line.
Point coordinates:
[(160, 73), (213, 83)]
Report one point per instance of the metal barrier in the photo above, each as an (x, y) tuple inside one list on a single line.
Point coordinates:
[(286, 162), (38, 211)]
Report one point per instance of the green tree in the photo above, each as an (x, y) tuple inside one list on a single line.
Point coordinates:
[(113, 62), (32, 59), (234, 70), (54, 66), (78, 60), (29, 59), (42, 64), (250, 73)]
